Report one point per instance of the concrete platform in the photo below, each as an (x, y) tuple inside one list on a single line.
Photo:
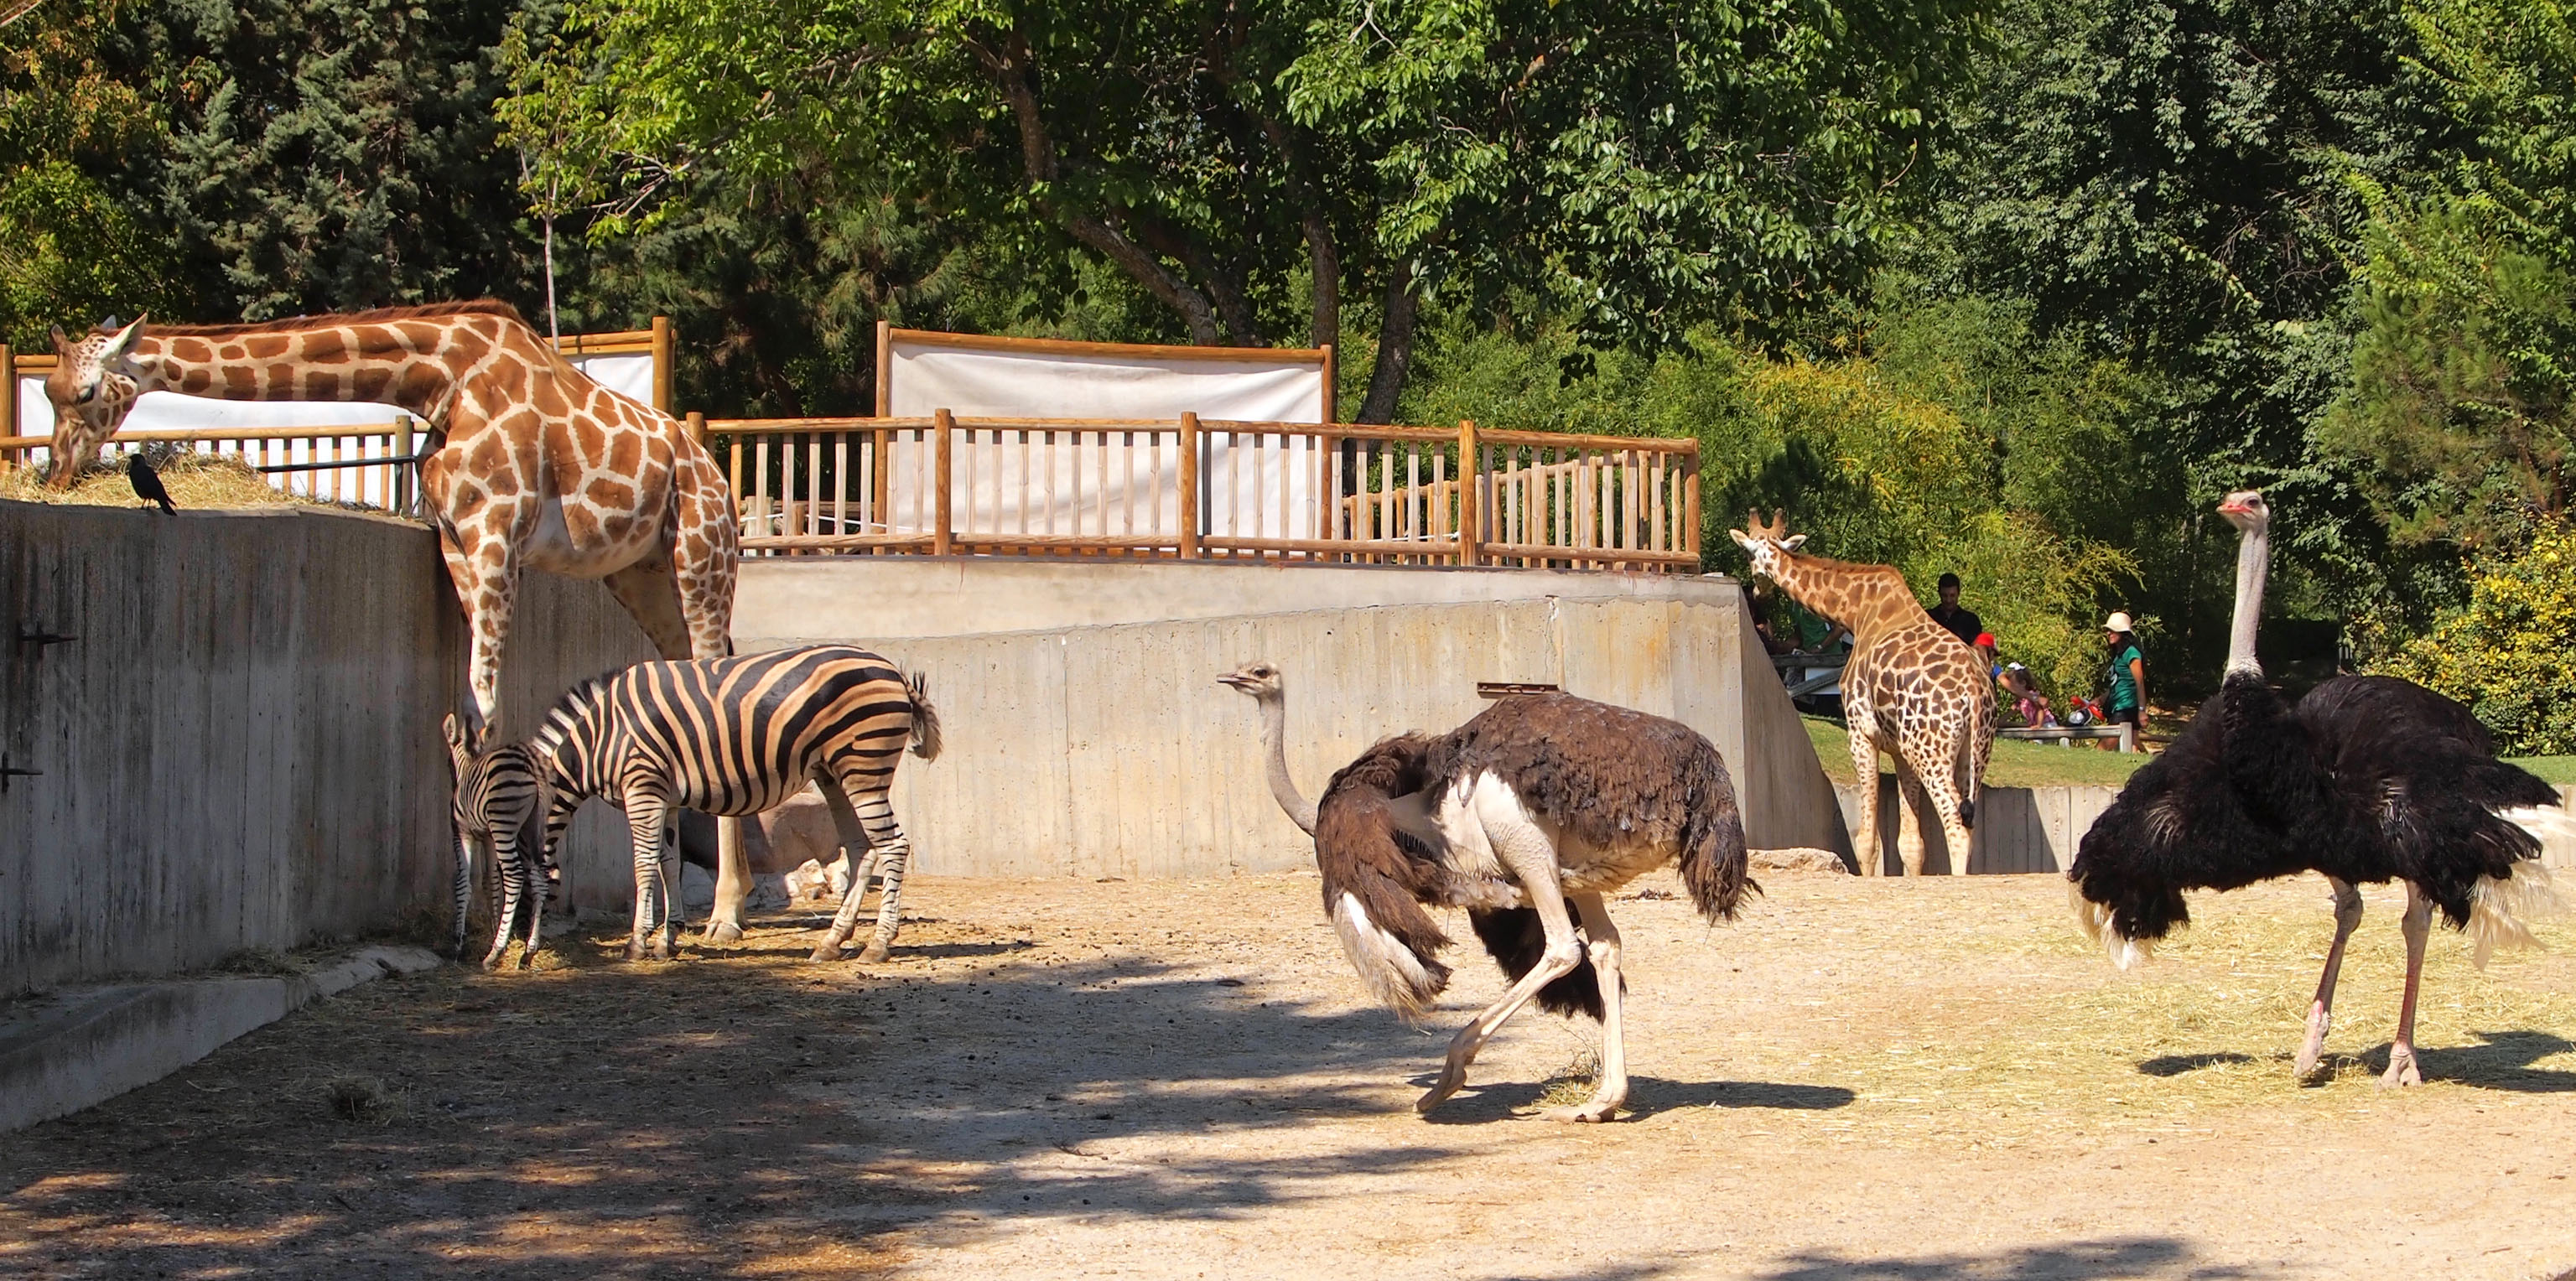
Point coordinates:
[(67, 1050)]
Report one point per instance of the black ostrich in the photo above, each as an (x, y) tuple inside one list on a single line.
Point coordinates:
[(2369, 779), (1540, 804)]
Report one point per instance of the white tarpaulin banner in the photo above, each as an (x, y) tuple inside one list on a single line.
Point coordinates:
[(1251, 486), (627, 374)]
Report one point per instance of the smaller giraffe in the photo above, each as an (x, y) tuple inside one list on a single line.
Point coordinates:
[(1911, 690)]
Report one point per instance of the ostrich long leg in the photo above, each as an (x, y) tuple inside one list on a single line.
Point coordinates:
[(2401, 1052), (1601, 943), (2347, 901), (1526, 852)]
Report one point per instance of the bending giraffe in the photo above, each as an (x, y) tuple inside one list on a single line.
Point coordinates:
[(1911, 690), (534, 465)]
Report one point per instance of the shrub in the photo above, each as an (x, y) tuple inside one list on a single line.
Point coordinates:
[(2510, 654)]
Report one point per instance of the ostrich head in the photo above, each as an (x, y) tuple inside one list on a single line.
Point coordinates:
[(93, 386), (1261, 680), (2245, 510), (1767, 544)]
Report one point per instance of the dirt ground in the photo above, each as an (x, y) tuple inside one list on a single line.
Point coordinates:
[(1875, 1080)]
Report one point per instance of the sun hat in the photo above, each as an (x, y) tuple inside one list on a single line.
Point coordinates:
[(2117, 622)]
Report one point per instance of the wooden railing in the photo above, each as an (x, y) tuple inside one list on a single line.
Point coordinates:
[(1210, 489)]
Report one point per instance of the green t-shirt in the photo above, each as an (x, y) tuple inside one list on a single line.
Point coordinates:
[(2124, 687)]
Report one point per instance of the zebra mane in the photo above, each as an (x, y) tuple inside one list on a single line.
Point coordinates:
[(568, 710)]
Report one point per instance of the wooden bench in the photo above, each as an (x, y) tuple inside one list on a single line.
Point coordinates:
[(2066, 735)]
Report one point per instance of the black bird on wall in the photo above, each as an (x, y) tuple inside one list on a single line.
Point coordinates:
[(147, 484)]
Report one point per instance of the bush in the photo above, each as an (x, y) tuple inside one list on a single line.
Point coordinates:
[(2511, 653)]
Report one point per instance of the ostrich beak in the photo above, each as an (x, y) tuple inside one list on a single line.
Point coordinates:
[(1235, 680)]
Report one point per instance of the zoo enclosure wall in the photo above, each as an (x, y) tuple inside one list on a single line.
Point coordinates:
[(222, 730)]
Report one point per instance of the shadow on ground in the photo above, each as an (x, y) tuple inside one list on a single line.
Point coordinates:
[(2504, 1062), (750, 1116), (2139, 1257)]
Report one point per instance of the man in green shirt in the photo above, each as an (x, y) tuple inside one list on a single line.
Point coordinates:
[(2128, 673)]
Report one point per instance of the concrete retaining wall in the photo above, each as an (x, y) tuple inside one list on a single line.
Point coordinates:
[(241, 749), (1112, 751)]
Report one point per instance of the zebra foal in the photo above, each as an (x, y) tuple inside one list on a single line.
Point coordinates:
[(732, 737), (499, 810)]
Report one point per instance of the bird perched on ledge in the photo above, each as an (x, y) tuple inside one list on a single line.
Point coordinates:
[(147, 484)]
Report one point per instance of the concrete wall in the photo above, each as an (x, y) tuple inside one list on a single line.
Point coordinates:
[(242, 748), (1112, 751), (881, 597), (2019, 829)]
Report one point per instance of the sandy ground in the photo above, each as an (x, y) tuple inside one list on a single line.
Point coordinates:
[(1860, 1079)]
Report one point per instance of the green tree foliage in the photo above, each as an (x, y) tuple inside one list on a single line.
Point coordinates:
[(68, 247), (2511, 653), (1658, 167)]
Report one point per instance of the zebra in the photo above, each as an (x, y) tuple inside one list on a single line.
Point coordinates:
[(500, 806), (738, 736)]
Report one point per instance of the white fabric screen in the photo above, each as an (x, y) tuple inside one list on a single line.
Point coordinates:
[(627, 374), (1250, 486)]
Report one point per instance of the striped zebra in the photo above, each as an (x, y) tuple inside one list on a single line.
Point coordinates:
[(738, 736), (499, 810)]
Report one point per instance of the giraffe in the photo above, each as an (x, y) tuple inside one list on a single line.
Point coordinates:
[(1911, 690), (532, 464)]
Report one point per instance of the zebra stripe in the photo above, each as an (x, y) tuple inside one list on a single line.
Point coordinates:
[(500, 806), (739, 736)]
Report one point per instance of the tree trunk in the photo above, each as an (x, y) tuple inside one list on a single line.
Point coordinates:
[(1394, 347), (1327, 264), (1013, 70)]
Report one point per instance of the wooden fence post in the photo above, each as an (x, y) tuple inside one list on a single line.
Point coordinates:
[(662, 363), (1189, 486), (941, 540), (8, 404), (1471, 484), (1690, 500), (406, 469)]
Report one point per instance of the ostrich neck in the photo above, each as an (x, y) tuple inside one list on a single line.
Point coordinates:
[(2253, 560), (1274, 727)]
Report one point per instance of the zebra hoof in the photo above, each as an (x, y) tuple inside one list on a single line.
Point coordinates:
[(827, 952), (723, 932), (874, 953), (635, 950)]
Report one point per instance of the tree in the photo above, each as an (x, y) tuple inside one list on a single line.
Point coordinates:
[(70, 251), (1661, 168)]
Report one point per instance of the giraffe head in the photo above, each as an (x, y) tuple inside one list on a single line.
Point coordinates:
[(1767, 544), (93, 386)]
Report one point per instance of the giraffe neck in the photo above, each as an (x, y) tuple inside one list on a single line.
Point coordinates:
[(1868, 599), (412, 364)]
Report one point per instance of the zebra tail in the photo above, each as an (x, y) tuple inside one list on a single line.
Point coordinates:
[(925, 718)]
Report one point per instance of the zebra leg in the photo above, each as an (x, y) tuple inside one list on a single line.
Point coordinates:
[(644, 823), (893, 853), (853, 838), (464, 896), (532, 869), (509, 890), (675, 913)]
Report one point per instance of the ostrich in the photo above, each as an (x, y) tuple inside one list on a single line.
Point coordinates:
[(1540, 803), (2369, 779)]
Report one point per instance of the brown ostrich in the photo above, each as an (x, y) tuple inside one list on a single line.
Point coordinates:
[(1527, 816)]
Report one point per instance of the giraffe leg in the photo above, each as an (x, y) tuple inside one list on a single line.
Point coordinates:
[(651, 596), (706, 550), (1945, 807), (2347, 909), (1525, 851), (1867, 848), (1601, 943), (2418, 925), (1909, 818)]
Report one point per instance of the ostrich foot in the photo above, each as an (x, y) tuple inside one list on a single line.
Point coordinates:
[(872, 953), (1595, 1111), (2401, 1068), (722, 932), (2315, 1048), (1451, 1079)]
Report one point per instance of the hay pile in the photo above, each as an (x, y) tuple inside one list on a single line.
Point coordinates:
[(194, 481)]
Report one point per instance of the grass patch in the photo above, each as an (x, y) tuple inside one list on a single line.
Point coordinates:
[(2014, 764), (2557, 771)]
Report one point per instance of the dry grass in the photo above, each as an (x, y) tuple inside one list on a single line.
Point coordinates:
[(1572, 1084), (195, 481)]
